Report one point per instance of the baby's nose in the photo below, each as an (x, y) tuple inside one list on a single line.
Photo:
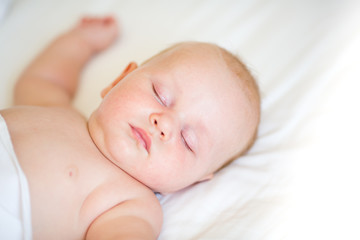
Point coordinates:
[(163, 123)]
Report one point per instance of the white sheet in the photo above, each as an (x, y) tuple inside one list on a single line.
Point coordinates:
[(301, 178), (15, 210)]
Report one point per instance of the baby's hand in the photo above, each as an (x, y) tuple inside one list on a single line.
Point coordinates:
[(98, 32)]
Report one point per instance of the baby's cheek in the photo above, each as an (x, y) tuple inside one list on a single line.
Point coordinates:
[(120, 148)]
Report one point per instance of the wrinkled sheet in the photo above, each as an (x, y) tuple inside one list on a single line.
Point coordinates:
[(300, 180)]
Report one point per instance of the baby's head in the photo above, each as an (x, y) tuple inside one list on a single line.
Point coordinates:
[(179, 117)]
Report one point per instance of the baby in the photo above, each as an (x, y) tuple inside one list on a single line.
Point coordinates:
[(162, 126)]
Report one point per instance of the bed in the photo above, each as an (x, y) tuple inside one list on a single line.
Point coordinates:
[(300, 180)]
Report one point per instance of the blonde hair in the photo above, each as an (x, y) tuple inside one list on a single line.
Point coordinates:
[(252, 92)]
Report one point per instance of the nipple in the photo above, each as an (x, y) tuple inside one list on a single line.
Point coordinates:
[(72, 171)]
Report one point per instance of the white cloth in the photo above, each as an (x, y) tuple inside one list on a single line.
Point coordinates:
[(15, 210), (301, 178)]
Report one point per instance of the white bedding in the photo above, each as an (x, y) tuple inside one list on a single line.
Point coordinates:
[(300, 180)]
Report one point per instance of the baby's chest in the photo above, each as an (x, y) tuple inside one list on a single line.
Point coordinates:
[(72, 190), (70, 184)]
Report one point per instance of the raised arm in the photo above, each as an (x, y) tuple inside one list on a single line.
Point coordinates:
[(136, 219), (52, 78)]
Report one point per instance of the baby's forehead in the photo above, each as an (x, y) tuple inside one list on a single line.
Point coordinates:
[(192, 58), (203, 64)]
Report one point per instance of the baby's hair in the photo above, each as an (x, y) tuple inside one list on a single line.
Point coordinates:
[(247, 81), (251, 90)]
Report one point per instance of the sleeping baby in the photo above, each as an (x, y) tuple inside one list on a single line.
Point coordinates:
[(169, 123)]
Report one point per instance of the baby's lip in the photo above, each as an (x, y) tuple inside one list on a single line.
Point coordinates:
[(142, 137)]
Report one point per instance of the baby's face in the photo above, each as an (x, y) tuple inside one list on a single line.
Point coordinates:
[(174, 120)]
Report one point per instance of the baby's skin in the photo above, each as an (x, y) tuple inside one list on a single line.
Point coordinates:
[(161, 127), (72, 185)]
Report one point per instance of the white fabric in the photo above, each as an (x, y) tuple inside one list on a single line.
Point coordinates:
[(4, 6), (301, 179), (15, 210)]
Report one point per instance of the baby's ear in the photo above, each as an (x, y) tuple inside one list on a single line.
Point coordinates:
[(130, 67)]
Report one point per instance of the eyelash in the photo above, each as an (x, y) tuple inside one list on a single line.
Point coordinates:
[(158, 97), (185, 143)]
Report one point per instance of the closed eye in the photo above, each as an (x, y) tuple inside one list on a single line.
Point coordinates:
[(159, 98), (186, 143)]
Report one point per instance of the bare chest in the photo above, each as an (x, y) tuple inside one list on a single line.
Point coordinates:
[(70, 181)]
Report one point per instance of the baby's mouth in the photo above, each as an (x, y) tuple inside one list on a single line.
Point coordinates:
[(142, 137)]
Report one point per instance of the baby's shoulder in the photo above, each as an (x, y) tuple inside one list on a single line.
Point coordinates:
[(23, 119), (48, 128), (33, 114), (140, 212)]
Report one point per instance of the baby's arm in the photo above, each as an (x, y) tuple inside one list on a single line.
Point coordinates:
[(133, 219), (52, 78)]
